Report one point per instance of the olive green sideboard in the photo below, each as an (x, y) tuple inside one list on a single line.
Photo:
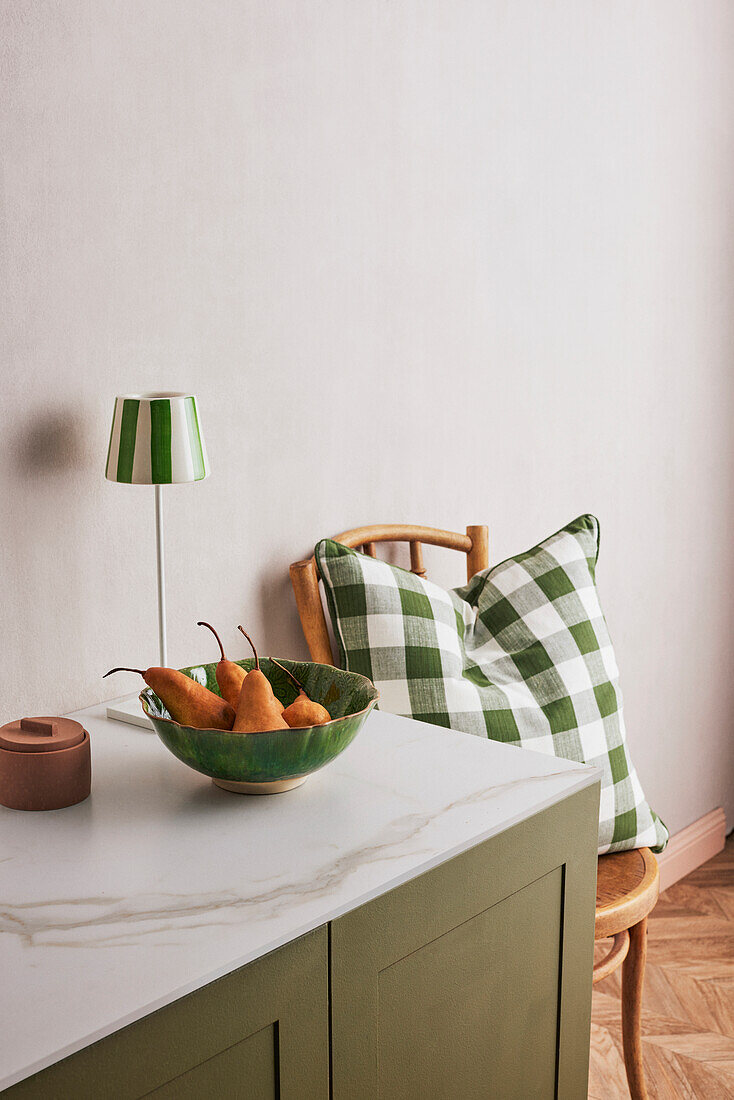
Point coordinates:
[(261, 1032), (470, 980), (474, 980)]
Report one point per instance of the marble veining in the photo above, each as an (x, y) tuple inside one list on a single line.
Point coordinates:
[(161, 882), (66, 922)]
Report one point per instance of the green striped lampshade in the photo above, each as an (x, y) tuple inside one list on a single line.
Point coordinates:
[(156, 439)]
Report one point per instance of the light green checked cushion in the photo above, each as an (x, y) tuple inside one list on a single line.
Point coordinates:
[(521, 654)]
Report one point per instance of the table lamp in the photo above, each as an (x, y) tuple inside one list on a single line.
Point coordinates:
[(156, 439)]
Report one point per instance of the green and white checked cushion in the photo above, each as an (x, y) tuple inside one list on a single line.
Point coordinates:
[(521, 654)]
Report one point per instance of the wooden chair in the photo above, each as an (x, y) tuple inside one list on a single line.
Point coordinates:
[(627, 882)]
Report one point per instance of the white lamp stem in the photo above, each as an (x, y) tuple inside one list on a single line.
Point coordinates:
[(161, 575)]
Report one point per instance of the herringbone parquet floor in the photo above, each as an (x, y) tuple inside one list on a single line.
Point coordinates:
[(688, 1005)]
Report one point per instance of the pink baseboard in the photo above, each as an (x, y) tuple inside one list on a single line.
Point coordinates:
[(691, 847)]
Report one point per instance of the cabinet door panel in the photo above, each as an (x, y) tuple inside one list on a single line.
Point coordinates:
[(259, 1033), (474, 979), (446, 1028), (233, 1073)]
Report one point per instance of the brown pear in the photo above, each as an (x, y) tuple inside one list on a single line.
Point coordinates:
[(229, 674), (303, 711), (188, 703), (258, 709)]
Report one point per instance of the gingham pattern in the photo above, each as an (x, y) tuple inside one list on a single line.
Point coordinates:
[(521, 654)]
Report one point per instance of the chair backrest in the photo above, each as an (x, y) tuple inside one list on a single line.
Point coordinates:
[(305, 578)]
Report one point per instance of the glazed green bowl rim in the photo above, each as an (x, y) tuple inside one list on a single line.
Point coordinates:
[(257, 733)]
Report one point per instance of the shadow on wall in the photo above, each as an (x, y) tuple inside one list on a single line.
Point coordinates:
[(276, 592), (49, 443), (48, 509)]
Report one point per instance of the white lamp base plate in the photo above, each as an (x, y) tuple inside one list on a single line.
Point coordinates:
[(129, 710)]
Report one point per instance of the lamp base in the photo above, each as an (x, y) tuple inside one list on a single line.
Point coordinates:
[(129, 710)]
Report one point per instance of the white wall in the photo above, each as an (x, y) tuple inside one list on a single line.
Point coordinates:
[(438, 261)]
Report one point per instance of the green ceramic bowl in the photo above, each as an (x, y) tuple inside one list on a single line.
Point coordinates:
[(273, 760)]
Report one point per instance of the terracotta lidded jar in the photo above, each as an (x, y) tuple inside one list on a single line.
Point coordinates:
[(45, 764)]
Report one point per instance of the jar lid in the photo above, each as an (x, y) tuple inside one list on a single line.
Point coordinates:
[(41, 734)]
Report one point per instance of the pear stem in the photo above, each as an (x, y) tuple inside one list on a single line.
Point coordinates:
[(257, 659), (140, 671), (221, 647), (288, 672)]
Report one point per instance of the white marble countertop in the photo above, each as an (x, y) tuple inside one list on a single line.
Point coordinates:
[(161, 882)]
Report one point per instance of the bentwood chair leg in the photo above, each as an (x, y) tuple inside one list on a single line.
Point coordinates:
[(633, 974)]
